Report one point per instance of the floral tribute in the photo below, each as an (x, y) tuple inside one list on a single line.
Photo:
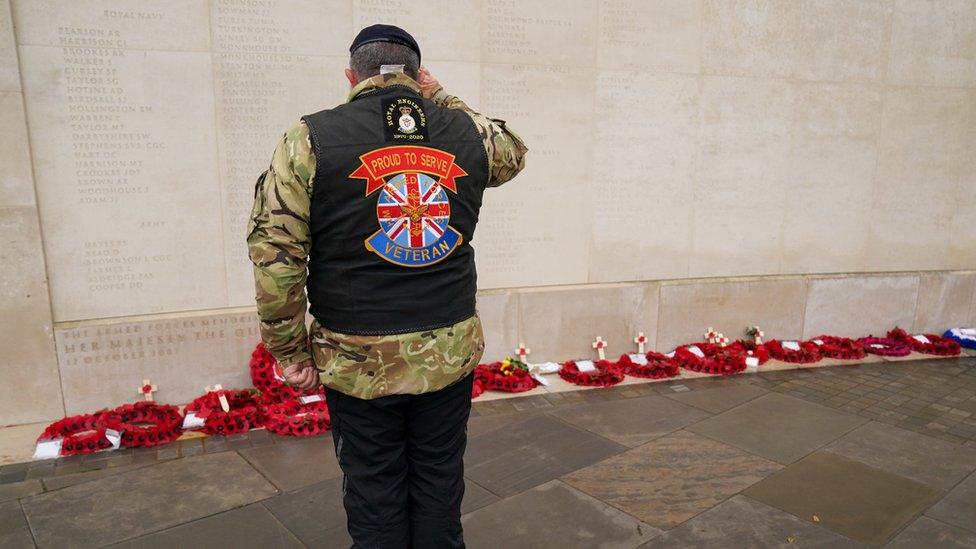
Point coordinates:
[(929, 344), (606, 374), (714, 359), (751, 348), (83, 434), (653, 366), (244, 415), (295, 419), (268, 377), (843, 348), (965, 337), (510, 375), (883, 346), (807, 353), (147, 424), (477, 389)]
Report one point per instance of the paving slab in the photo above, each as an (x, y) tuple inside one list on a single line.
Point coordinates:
[(853, 499), (958, 507), (250, 527), (482, 424), (531, 452), (744, 522), (17, 490), (295, 463), (928, 460), (475, 497), (719, 399), (64, 481), (671, 479), (631, 421), (932, 534), (14, 531), (778, 427), (142, 501), (314, 514), (553, 515)]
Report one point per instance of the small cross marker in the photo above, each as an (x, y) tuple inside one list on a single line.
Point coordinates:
[(600, 345), (224, 405), (147, 390), (640, 340), (710, 335), (523, 352), (721, 340)]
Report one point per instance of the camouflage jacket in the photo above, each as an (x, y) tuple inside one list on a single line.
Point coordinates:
[(278, 242)]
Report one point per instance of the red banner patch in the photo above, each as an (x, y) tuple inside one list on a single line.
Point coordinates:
[(388, 161)]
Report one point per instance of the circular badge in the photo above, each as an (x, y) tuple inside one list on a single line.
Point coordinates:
[(413, 210)]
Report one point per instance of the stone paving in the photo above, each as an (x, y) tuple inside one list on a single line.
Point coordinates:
[(879, 454)]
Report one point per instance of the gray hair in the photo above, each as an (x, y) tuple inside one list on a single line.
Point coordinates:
[(368, 58)]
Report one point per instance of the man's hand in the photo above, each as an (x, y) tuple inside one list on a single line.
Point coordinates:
[(428, 84), (302, 376)]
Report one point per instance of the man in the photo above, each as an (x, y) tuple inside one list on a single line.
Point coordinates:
[(372, 205)]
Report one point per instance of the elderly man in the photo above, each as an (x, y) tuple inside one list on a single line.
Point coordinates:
[(370, 208)]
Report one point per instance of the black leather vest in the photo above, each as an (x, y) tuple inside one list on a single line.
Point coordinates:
[(397, 190)]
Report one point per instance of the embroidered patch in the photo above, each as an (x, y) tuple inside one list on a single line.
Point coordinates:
[(413, 209), (404, 120)]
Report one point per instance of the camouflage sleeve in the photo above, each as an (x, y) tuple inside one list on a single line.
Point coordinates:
[(506, 150), (278, 242)]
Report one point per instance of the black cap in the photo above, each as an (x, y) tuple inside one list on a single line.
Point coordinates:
[(384, 33)]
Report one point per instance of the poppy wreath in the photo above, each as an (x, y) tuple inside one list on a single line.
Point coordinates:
[(263, 365), (937, 345), (510, 375), (477, 389), (294, 419), (244, 415), (606, 374), (718, 360), (750, 348), (148, 424), (963, 336), (658, 366), (843, 348), (883, 346), (83, 434), (808, 353)]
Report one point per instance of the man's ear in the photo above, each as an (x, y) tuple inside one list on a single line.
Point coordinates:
[(351, 76)]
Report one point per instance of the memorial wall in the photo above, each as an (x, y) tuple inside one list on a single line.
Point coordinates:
[(809, 165)]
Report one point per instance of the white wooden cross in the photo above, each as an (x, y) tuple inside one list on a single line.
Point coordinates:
[(640, 340), (147, 390), (224, 405), (710, 335), (600, 345), (758, 334), (721, 340), (523, 352)]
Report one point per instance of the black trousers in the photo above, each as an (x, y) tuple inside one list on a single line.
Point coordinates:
[(402, 460)]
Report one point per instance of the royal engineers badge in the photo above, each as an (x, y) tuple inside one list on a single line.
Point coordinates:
[(413, 209), (404, 120)]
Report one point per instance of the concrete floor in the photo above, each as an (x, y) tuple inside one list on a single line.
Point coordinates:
[(879, 454)]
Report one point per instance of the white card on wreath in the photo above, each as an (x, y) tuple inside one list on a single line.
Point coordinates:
[(968, 331), (670, 355), (306, 399), (921, 339), (586, 366), (47, 449), (877, 346), (752, 362), (818, 341), (695, 350), (191, 421), (114, 437), (791, 345), (638, 359), (542, 381)]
